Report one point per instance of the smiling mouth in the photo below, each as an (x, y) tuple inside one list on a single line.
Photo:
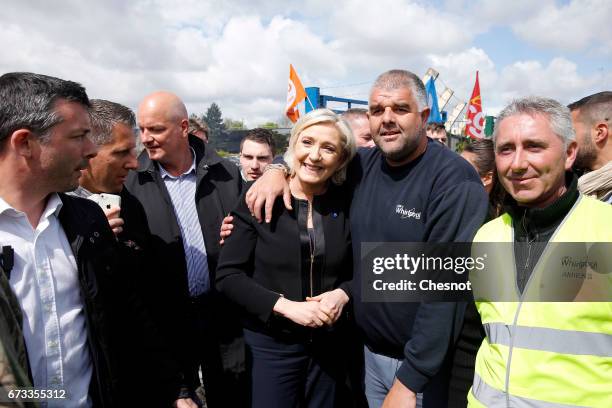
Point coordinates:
[(521, 181), (311, 167)]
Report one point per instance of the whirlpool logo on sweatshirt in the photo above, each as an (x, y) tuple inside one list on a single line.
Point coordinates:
[(407, 213)]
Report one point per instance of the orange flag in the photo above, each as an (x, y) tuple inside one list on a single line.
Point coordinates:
[(475, 119), (295, 95)]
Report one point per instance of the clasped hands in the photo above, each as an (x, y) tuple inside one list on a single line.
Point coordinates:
[(324, 309)]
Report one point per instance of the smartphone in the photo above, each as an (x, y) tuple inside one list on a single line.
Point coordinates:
[(106, 201)]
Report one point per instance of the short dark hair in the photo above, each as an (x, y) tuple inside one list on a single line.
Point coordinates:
[(485, 155), (594, 107), (104, 116), (484, 162), (28, 100), (436, 127), (260, 135)]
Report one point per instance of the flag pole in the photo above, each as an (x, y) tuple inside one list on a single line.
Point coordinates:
[(308, 99)]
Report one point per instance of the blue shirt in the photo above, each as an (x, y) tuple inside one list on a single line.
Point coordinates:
[(182, 190)]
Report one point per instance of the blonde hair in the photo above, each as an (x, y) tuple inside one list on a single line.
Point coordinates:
[(323, 116)]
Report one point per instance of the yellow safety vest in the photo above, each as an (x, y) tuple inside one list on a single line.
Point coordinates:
[(546, 354)]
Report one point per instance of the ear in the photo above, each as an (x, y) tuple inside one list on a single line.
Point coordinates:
[(425, 115), (22, 142), (185, 127), (570, 154), (487, 179), (600, 132)]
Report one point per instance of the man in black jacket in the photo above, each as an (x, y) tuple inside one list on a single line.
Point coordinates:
[(64, 249), (186, 190), (145, 362)]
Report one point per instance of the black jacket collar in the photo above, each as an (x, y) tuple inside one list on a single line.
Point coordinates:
[(205, 156)]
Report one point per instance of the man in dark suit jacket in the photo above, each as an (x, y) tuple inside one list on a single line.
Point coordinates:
[(67, 275), (145, 359), (186, 190), (63, 266)]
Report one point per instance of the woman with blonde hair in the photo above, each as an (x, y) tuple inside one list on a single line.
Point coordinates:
[(286, 275)]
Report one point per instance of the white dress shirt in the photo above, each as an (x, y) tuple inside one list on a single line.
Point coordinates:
[(182, 190), (45, 281)]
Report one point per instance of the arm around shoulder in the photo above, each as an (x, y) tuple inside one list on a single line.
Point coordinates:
[(234, 270)]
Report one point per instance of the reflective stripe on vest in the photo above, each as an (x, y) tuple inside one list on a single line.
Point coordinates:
[(553, 340), (492, 398)]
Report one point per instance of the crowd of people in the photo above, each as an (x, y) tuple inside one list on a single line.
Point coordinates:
[(176, 278)]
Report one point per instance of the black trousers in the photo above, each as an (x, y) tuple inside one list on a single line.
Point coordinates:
[(220, 355), (296, 374)]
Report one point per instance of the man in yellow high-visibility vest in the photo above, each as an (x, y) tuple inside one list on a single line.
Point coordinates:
[(542, 353)]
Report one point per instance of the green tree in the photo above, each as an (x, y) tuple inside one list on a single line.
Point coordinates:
[(230, 124), (214, 120), (281, 142), (269, 125)]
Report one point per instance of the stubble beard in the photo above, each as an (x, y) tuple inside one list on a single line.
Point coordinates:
[(586, 156), (408, 148)]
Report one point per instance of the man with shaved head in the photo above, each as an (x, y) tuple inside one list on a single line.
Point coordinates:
[(186, 189)]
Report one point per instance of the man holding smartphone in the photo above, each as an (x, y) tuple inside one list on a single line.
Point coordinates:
[(146, 361), (113, 133)]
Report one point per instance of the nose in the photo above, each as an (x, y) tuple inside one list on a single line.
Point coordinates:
[(90, 149), (132, 162), (387, 115), (145, 137), (519, 161), (314, 154)]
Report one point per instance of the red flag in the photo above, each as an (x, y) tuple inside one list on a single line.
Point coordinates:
[(475, 119), (295, 95)]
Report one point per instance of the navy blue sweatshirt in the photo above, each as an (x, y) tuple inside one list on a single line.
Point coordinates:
[(437, 197)]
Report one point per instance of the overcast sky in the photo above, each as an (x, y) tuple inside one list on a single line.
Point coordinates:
[(237, 53)]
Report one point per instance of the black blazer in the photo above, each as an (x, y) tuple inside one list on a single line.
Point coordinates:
[(259, 262), (118, 321), (95, 250), (218, 187)]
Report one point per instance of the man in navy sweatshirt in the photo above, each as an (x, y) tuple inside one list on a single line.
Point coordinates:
[(408, 189)]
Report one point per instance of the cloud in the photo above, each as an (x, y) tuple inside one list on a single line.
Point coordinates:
[(579, 25), (558, 79), (237, 53), (126, 50), (396, 29), (458, 71), (486, 13)]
